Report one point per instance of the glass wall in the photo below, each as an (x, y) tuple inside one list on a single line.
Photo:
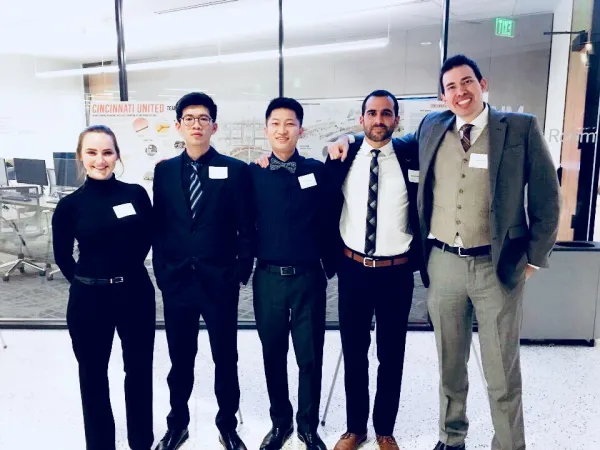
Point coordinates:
[(43, 109), (229, 51), (334, 53)]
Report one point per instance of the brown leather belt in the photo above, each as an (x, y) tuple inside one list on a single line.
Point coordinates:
[(375, 262)]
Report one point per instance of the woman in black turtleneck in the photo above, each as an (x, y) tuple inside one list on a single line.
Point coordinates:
[(110, 289)]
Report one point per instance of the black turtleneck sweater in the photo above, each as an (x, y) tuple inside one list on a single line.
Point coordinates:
[(109, 246)]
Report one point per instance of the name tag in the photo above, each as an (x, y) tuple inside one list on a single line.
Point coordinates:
[(413, 176), (124, 210), (478, 161), (217, 173), (307, 181)]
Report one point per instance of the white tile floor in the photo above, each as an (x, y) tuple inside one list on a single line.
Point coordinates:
[(40, 408)]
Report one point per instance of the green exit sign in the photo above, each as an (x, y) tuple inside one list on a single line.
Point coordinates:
[(505, 27)]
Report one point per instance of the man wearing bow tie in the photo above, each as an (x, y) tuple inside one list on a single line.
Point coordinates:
[(289, 282)]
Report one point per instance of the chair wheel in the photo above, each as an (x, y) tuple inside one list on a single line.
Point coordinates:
[(22, 269), (49, 277), (42, 273), (5, 278)]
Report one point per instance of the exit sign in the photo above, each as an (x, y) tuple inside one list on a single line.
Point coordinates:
[(505, 27)]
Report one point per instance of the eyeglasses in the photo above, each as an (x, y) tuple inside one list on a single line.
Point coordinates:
[(189, 121)]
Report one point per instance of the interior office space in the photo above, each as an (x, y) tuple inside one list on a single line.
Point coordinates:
[(61, 58), (328, 61)]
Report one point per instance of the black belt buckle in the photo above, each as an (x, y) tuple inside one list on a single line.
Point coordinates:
[(116, 280), (287, 271)]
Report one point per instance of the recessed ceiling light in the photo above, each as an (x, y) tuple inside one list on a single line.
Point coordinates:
[(426, 43)]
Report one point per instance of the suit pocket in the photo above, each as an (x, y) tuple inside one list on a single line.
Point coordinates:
[(516, 232)]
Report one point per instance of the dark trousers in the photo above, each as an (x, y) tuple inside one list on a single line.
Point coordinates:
[(219, 308), (293, 303), (387, 292), (93, 314)]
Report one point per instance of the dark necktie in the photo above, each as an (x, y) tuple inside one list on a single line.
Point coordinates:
[(371, 234), (465, 140), (275, 164), (195, 188)]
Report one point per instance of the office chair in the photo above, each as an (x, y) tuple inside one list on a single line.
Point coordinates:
[(21, 233)]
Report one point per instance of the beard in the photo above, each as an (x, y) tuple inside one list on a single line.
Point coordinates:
[(377, 136)]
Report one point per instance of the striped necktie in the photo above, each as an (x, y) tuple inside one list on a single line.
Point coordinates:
[(195, 188), (465, 140), (371, 234)]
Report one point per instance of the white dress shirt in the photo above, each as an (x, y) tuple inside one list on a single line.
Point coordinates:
[(479, 124), (393, 236)]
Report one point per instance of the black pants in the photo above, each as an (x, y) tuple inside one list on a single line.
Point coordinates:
[(218, 305), (93, 314), (293, 303), (387, 292)]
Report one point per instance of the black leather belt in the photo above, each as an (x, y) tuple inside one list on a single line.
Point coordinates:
[(463, 252), (99, 281), (285, 271)]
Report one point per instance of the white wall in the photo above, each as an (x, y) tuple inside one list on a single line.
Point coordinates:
[(559, 69), (38, 116)]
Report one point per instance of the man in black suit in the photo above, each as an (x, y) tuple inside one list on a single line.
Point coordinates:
[(204, 246), (373, 210), (289, 282)]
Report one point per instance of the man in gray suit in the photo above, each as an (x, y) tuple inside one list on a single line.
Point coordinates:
[(482, 241)]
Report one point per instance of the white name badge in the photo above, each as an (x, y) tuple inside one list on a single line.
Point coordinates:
[(478, 161), (217, 173), (413, 176), (307, 181), (124, 210)]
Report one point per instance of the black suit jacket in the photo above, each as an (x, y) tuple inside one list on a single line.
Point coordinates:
[(336, 172), (218, 245)]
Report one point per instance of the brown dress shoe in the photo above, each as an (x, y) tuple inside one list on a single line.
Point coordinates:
[(387, 443), (350, 441)]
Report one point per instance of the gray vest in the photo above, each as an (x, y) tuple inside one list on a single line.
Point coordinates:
[(461, 197)]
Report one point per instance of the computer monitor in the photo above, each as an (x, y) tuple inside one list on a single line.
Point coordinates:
[(31, 171), (3, 173), (68, 170)]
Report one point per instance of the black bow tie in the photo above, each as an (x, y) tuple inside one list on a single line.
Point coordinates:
[(275, 164)]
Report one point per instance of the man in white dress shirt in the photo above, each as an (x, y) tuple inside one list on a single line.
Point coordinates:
[(373, 215), (482, 243)]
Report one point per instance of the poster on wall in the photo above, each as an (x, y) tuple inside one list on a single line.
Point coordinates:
[(327, 119), (145, 132)]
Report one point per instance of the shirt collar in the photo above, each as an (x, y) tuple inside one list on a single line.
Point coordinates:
[(203, 160), (480, 122), (294, 158), (387, 149)]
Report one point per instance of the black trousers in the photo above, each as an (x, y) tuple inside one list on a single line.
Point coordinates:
[(93, 314), (218, 305), (293, 303), (387, 292)]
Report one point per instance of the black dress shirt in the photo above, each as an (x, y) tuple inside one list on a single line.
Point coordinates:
[(186, 170), (289, 212)]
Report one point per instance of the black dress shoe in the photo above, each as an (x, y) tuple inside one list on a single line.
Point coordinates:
[(442, 446), (173, 439), (275, 439), (231, 441), (311, 440)]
